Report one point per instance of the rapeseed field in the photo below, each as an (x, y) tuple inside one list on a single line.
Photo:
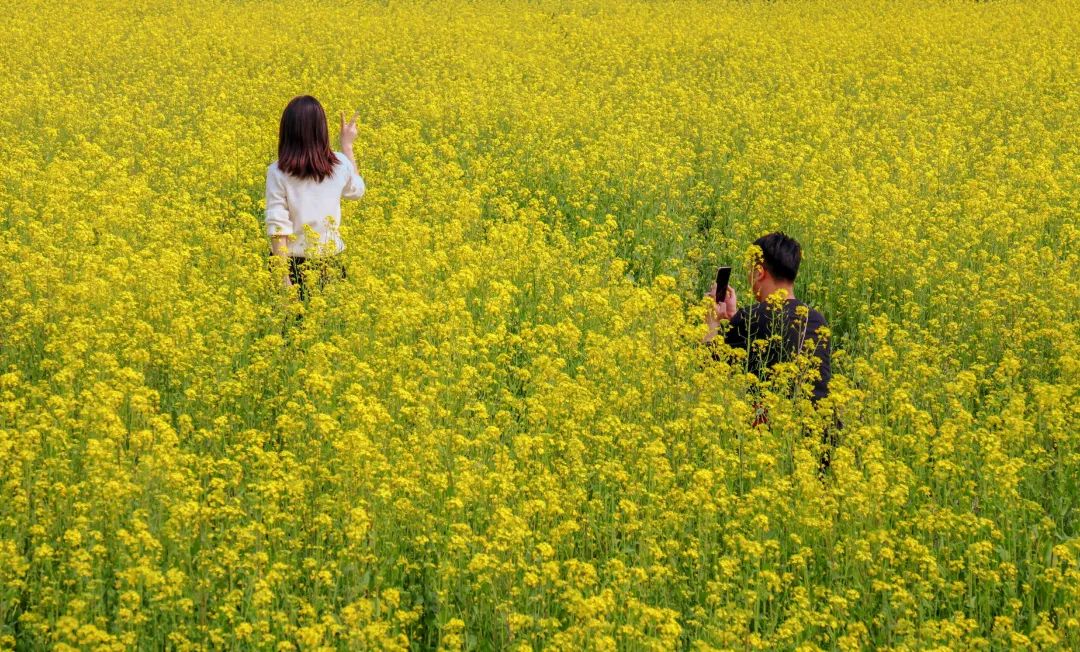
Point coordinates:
[(501, 430)]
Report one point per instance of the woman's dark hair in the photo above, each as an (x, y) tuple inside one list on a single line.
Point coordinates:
[(303, 141), (780, 254)]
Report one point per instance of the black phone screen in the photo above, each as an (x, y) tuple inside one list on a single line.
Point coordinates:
[(723, 276)]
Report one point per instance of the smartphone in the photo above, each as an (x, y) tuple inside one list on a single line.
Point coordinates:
[(723, 276)]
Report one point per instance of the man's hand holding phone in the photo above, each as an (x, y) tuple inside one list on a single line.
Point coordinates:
[(726, 309), (719, 310)]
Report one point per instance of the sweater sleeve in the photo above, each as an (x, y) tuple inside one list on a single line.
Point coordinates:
[(354, 186), (277, 205), (738, 333)]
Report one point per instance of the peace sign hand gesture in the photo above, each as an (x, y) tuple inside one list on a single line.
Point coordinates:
[(348, 131)]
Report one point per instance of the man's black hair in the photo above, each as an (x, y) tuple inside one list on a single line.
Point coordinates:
[(781, 255)]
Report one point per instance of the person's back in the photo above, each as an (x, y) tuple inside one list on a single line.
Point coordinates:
[(295, 202), (771, 335)]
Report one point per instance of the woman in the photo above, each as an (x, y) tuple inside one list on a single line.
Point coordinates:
[(304, 187)]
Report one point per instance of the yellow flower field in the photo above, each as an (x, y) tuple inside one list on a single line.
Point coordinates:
[(501, 430)]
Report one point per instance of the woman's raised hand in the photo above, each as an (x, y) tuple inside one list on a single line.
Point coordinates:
[(348, 131)]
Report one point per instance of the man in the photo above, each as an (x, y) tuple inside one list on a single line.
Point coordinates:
[(778, 326)]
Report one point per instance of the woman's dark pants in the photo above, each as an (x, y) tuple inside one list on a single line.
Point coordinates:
[(320, 271)]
